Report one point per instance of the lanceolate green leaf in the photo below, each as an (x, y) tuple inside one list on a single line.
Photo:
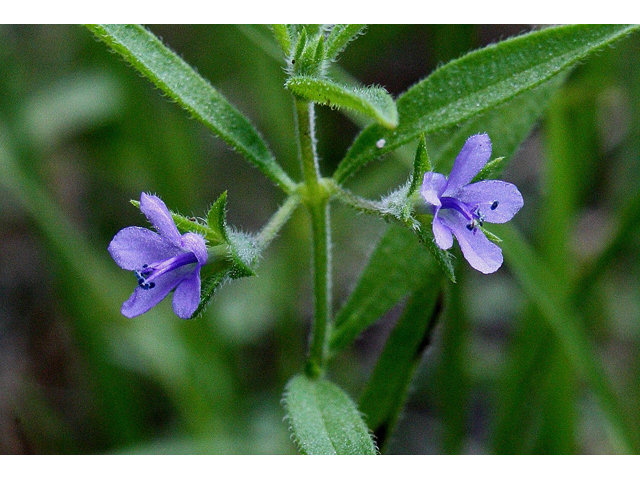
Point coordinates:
[(324, 420), (217, 219), (479, 82), (421, 165), (508, 126), (398, 266), (147, 54), (375, 102)]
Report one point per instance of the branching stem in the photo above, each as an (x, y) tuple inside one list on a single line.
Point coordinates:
[(316, 198), (277, 221)]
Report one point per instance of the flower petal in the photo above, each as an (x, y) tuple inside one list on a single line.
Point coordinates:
[(196, 244), (474, 155), (433, 184), (158, 214), (132, 247), (481, 254), (142, 300), (498, 201), (442, 234), (186, 298)]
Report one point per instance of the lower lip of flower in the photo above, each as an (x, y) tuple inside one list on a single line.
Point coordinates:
[(148, 273)]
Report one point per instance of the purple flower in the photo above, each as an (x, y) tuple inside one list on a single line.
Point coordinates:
[(161, 261), (460, 208)]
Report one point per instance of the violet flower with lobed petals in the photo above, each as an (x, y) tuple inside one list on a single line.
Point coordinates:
[(460, 208), (161, 261)]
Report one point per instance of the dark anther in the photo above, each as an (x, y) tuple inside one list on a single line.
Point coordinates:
[(494, 205), (470, 227), (147, 286), (145, 265), (140, 281)]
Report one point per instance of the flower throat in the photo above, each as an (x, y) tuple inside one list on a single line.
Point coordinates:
[(148, 273)]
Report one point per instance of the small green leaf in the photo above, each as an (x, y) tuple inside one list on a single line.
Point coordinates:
[(386, 390), (237, 262), (318, 56), (301, 43), (491, 236), (309, 56), (340, 37), (147, 54), (479, 82), (324, 420), (421, 165), (489, 170), (375, 102), (398, 266), (217, 220), (283, 36)]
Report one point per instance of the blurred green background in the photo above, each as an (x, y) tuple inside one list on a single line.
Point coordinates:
[(81, 133)]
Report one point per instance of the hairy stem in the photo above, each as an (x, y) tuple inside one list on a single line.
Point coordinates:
[(277, 221), (355, 201), (319, 348), (317, 200)]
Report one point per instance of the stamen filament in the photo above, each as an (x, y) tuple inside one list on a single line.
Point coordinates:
[(151, 272)]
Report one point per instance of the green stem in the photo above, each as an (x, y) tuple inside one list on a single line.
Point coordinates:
[(277, 221), (319, 348), (305, 118), (355, 201), (316, 198)]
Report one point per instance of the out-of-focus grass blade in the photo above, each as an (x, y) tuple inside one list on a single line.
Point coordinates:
[(162, 348), (518, 399), (628, 222), (538, 282), (536, 395), (83, 267)]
